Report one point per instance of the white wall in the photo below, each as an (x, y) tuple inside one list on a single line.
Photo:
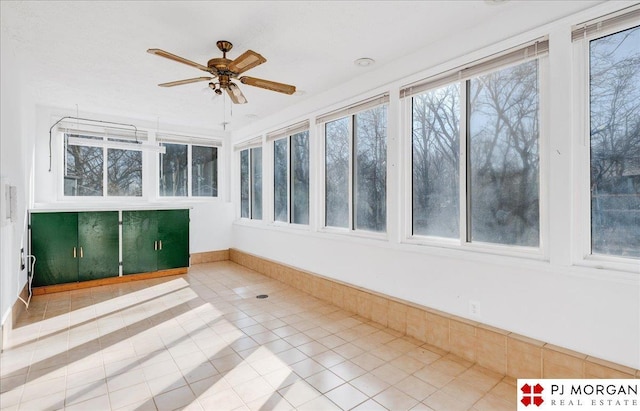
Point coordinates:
[(210, 218), (16, 145), (557, 297)]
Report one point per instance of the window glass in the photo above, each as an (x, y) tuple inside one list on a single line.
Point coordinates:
[(280, 177), (300, 178), (124, 172), (256, 183), (615, 143), (84, 170), (436, 148), (244, 184), (371, 169), (204, 171), (503, 150), (337, 173), (173, 170)]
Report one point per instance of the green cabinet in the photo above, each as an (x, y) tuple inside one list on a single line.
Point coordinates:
[(154, 240), (74, 246)]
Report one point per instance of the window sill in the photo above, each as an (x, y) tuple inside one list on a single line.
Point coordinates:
[(602, 262), (289, 226), (355, 233), (530, 253)]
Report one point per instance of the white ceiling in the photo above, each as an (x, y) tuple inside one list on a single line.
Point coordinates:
[(93, 54)]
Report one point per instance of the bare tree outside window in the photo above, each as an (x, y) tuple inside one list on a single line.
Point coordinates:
[(291, 178), (84, 170), (337, 173), (503, 150), (370, 140), (256, 183), (436, 147), (300, 178), (244, 184), (204, 171), (280, 177), (615, 143), (124, 173), (173, 170)]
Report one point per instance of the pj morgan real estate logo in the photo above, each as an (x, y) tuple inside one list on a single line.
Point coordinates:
[(578, 394)]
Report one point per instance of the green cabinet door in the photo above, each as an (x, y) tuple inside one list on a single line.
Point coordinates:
[(139, 241), (74, 246), (173, 234), (98, 242), (154, 240), (54, 243)]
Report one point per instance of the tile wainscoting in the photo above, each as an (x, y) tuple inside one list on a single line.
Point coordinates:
[(209, 257), (499, 350)]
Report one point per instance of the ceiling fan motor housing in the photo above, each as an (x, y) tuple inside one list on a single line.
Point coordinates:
[(219, 65)]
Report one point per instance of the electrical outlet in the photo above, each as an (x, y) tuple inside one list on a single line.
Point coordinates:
[(474, 308)]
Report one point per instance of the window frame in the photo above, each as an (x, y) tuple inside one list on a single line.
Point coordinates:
[(581, 233), (80, 133), (189, 144), (249, 149), (321, 122), (289, 179), (540, 252)]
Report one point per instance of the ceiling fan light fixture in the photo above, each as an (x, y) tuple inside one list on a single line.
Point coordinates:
[(364, 62), (235, 90), (236, 94)]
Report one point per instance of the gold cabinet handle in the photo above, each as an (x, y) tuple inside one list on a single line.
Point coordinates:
[(81, 253), (155, 245), (74, 252), (160, 244)]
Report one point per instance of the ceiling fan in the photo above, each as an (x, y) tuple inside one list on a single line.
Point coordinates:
[(225, 70)]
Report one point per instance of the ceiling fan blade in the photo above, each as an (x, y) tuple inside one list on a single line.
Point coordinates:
[(179, 59), (236, 94), (269, 85), (187, 81), (247, 60)]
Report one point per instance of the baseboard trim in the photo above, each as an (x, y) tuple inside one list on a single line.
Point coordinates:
[(209, 256), (499, 350), (19, 307), (48, 289)]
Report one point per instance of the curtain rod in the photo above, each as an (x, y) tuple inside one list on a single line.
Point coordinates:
[(86, 119)]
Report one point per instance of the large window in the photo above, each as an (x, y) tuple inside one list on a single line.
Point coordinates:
[(614, 66), (500, 137), (356, 170), (291, 178), (337, 173), (173, 171), (503, 156), (245, 207), (94, 171), (204, 171), (436, 148), (251, 183), (188, 170)]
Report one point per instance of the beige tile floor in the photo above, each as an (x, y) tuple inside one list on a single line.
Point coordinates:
[(203, 341)]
